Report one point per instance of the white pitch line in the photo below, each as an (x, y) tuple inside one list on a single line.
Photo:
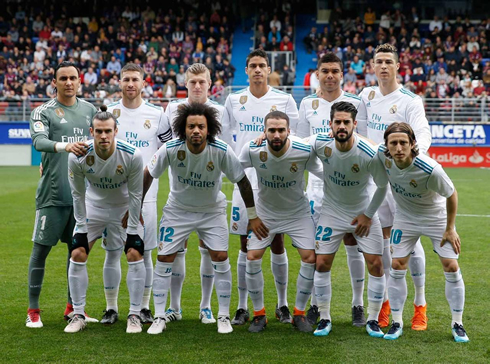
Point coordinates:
[(469, 215)]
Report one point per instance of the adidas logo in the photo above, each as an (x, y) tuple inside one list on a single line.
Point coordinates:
[(63, 121), (368, 104), (315, 113), (181, 164), (263, 166), (243, 108), (90, 171)]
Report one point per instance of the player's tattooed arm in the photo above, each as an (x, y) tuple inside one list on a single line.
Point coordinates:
[(450, 235), (256, 225)]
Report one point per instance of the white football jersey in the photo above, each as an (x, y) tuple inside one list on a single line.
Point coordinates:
[(145, 128), (247, 113), (281, 180), (115, 182), (196, 178), (420, 190), (346, 174), (376, 112)]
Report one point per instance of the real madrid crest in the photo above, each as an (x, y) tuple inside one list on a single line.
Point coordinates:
[(355, 168), (317, 245), (243, 99), (371, 95), (90, 160), (181, 155), (119, 170), (160, 247), (294, 168), (393, 109), (263, 156), (116, 113), (147, 124), (315, 103), (413, 183), (60, 112), (273, 108), (328, 152), (210, 166), (388, 163)]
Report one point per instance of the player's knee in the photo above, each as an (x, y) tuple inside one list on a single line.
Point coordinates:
[(309, 257), (398, 264), (218, 256), (322, 264), (349, 240), (133, 255), (450, 265), (255, 254), (79, 254)]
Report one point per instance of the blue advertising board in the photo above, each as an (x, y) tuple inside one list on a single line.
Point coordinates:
[(460, 134), (15, 133)]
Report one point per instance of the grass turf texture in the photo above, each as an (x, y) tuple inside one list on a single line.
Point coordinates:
[(189, 340)]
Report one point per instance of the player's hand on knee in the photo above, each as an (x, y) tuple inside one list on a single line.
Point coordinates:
[(77, 148), (363, 225), (259, 229), (452, 237), (259, 139)]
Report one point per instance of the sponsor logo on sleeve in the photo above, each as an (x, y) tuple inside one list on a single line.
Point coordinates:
[(38, 126)]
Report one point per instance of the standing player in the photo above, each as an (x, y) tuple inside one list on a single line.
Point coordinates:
[(196, 203), (197, 82), (146, 127), (314, 115), (113, 170), (280, 163), (247, 109), (426, 202), (58, 127), (348, 164), (381, 106)]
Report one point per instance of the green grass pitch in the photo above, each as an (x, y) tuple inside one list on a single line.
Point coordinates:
[(190, 341)]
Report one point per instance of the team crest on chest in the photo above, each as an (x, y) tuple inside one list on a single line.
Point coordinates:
[(60, 112), (393, 109), (413, 183), (328, 152), (210, 166), (116, 113), (315, 103), (243, 99), (355, 168), (294, 168), (273, 108), (147, 124), (119, 170), (263, 156), (181, 155), (388, 163), (371, 95)]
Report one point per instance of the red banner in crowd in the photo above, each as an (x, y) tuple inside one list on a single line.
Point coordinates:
[(461, 156)]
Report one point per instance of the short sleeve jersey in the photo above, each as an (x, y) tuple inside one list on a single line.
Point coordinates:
[(196, 178), (347, 174), (63, 124), (145, 128), (378, 111), (420, 190), (281, 179)]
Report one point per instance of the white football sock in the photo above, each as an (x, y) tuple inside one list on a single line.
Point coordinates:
[(386, 265), (356, 264), (323, 292), (416, 264), (397, 291), (255, 283), (242, 280), (78, 277), (304, 285), (135, 280), (222, 273), (313, 297), (148, 280), (280, 267), (178, 276), (455, 295), (376, 289), (112, 277), (207, 278), (162, 275)]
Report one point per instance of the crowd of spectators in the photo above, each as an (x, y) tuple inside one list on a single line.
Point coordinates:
[(163, 41), (438, 59)]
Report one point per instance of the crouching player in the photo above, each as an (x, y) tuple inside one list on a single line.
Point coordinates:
[(196, 203), (113, 169), (280, 162), (348, 163), (426, 202)]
